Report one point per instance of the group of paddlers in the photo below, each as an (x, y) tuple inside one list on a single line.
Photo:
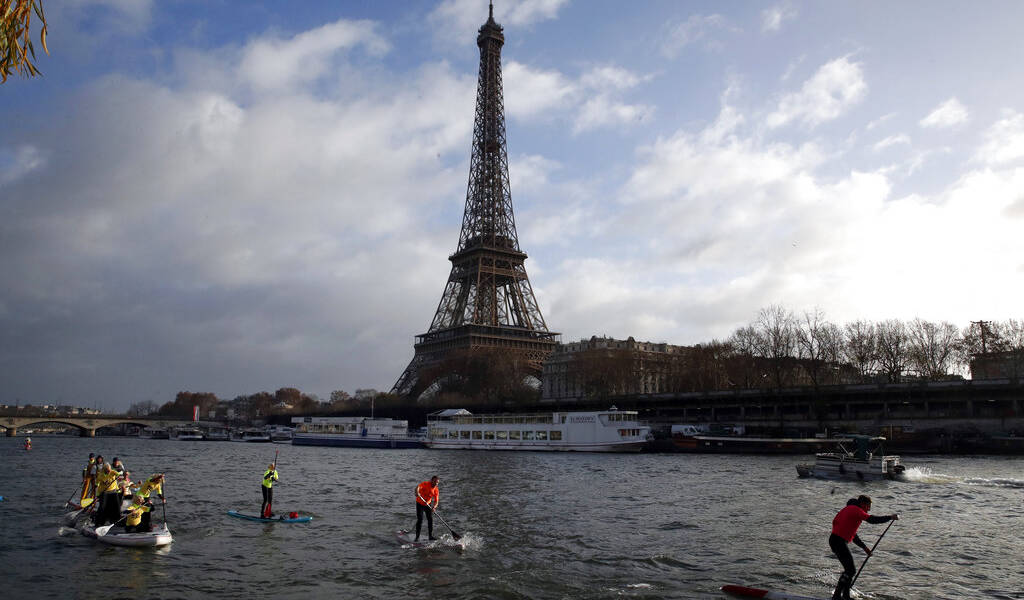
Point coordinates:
[(107, 487)]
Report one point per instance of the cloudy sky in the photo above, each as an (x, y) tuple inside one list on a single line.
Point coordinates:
[(240, 196)]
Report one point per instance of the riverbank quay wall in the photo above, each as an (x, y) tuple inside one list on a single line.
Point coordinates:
[(989, 406)]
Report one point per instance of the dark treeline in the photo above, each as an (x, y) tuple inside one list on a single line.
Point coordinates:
[(279, 405), (778, 349)]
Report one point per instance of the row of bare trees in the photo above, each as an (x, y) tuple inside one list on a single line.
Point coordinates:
[(780, 349), (810, 349)]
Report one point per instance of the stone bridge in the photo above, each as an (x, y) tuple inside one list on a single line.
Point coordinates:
[(86, 424)]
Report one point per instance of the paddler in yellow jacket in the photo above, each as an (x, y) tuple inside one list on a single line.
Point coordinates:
[(87, 483), (108, 490), (155, 484), (268, 490), (137, 510)]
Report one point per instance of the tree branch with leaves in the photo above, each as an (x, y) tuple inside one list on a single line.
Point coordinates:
[(17, 53)]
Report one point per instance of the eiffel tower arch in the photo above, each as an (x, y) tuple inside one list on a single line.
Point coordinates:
[(488, 305)]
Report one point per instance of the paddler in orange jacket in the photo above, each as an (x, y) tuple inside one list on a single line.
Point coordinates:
[(844, 531), (425, 493)]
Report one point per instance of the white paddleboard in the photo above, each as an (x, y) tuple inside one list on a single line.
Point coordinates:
[(408, 538), (749, 592)]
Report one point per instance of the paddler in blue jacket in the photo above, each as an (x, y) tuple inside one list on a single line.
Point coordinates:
[(268, 490), (844, 531)]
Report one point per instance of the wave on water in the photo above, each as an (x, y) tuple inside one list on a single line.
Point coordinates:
[(926, 475), (997, 482)]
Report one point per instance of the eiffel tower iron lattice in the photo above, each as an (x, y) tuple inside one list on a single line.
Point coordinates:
[(488, 303)]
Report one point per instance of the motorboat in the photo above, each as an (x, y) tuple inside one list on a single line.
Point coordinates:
[(866, 462)]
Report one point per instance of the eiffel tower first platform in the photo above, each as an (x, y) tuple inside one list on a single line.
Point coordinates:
[(488, 304)]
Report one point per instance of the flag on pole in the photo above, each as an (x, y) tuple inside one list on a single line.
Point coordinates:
[(195, 413)]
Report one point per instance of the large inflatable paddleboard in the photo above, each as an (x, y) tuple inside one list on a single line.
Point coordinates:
[(748, 592), (160, 536), (281, 519)]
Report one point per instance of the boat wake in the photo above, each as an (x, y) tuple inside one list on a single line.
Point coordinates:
[(926, 475)]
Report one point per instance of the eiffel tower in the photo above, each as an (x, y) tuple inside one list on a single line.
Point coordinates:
[(488, 303)]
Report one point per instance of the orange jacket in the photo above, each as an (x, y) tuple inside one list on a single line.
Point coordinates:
[(425, 492)]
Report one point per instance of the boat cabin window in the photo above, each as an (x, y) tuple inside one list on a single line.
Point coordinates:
[(477, 435), (463, 435), (542, 435), (527, 435), (488, 435), (556, 435), (513, 435), (501, 435)]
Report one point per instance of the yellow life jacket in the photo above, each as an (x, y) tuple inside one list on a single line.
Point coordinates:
[(106, 481), (149, 487), (135, 513), (269, 478)]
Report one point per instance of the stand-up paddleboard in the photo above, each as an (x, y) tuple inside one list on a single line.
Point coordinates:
[(749, 592), (280, 519), (408, 538)]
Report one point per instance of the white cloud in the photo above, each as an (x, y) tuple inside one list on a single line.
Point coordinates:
[(600, 111), (694, 29), (772, 18), (274, 63), (529, 92), (1004, 141), (591, 100), (16, 163), (949, 113), (458, 20), (892, 140), (835, 87)]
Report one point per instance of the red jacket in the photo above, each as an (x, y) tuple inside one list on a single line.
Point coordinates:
[(848, 520), (425, 492)]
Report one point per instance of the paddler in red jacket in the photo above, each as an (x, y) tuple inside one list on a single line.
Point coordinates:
[(844, 531), (425, 492)]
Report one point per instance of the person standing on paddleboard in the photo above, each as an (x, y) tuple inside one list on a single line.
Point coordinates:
[(844, 531), (87, 475), (268, 490), (425, 492)]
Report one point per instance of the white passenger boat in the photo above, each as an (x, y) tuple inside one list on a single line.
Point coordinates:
[(610, 430), (354, 432), (255, 435), (188, 434), (217, 434), (154, 433), (280, 433), (867, 462)]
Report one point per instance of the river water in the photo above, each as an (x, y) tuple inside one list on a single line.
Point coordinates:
[(537, 525)]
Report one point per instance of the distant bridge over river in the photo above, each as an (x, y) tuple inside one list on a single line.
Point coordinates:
[(87, 424)]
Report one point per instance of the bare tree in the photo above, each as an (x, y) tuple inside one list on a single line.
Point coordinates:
[(933, 348), (893, 348), (776, 332), (818, 341), (860, 347)]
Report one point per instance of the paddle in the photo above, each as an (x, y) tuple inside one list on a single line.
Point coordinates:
[(73, 494), (454, 535), (102, 531), (869, 555)]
